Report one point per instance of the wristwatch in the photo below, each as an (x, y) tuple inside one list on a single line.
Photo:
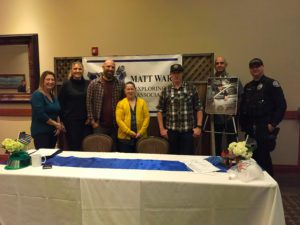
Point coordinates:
[(199, 126)]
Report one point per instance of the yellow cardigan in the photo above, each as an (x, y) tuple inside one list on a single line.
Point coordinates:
[(123, 117)]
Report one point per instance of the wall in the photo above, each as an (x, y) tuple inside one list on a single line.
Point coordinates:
[(238, 30), (14, 60)]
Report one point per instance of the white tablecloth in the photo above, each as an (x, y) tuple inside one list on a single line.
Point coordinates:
[(68, 195)]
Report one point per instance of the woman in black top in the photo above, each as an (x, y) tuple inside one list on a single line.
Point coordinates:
[(72, 99)]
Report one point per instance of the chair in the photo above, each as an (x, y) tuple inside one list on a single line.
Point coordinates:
[(97, 143), (155, 145)]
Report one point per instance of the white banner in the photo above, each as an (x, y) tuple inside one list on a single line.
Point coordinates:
[(149, 73)]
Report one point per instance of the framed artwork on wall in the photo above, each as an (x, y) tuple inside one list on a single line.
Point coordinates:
[(11, 81)]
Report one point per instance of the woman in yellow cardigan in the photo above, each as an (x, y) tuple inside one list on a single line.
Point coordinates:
[(132, 117)]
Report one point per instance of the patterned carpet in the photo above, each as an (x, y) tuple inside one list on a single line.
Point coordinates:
[(289, 184)]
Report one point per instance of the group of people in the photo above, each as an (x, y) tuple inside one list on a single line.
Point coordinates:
[(84, 107), (109, 106)]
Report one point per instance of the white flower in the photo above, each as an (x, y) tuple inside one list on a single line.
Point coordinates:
[(240, 149)]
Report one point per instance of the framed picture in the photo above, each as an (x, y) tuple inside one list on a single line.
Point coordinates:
[(11, 81), (222, 96)]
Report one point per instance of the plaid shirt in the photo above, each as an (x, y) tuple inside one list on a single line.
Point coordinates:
[(179, 106), (95, 93)]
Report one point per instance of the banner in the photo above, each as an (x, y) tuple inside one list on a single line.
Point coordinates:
[(149, 73)]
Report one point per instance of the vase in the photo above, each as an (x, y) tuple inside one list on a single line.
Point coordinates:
[(18, 160)]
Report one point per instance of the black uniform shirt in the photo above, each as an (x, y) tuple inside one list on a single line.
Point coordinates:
[(262, 101)]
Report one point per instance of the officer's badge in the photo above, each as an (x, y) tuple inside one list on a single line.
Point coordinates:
[(276, 84), (259, 86)]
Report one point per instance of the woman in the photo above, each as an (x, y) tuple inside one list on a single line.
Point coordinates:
[(72, 98), (132, 117), (45, 124)]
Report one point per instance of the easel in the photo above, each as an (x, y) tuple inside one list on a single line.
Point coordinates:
[(212, 130), (214, 93)]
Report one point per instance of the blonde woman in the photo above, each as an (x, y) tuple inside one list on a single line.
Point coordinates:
[(72, 98), (132, 116), (45, 123)]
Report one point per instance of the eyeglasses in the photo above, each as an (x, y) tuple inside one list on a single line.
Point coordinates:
[(221, 63)]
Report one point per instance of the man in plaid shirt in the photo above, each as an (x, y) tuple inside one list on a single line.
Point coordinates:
[(102, 97), (179, 103)]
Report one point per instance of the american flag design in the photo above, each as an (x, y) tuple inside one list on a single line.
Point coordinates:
[(24, 138)]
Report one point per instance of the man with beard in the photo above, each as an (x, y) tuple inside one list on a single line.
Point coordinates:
[(103, 95), (224, 123)]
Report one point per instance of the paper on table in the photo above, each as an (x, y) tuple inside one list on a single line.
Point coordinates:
[(202, 166)]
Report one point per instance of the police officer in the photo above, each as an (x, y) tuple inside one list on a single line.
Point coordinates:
[(262, 109)]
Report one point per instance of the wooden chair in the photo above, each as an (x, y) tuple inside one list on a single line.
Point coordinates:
[(151, 144), (97, 143)]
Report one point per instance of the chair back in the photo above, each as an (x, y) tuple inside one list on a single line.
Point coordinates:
[(97, 143), (156, 145)]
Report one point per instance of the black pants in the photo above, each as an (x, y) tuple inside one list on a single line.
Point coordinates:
[(265, 145), (76, 131), (226, 127), (46, 140), (181, 143), (263, 157), (128, 146)]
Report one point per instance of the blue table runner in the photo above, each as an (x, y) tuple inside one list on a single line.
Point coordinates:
[(217, 162), (113, 163)]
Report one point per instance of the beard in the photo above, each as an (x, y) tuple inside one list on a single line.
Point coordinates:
[(108, 75)]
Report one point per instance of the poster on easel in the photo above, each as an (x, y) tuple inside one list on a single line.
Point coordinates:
[(222, 95)]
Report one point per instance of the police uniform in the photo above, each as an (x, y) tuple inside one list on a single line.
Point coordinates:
[(262, 103)]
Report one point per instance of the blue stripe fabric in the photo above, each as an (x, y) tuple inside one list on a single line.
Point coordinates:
[(113, 163), (217, 162)]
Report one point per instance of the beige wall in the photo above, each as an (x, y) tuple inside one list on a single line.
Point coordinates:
[(14, 60), (239, 30)]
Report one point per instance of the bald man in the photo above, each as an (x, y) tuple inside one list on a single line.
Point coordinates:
[(103, 95), (223, 123)]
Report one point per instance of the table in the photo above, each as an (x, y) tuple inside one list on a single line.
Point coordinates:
[(85, 196)]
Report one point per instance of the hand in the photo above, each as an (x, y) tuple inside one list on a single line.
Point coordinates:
[(196, 132), (94, 124), (56, 132), (59, 126), (138, 135), (270, 128), (63, 129), (87, 122), (164, 133)]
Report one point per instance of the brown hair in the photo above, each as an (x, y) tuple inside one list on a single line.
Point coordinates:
[(42, 79), (129, 82)]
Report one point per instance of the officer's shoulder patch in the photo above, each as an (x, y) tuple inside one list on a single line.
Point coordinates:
[(276, 84)]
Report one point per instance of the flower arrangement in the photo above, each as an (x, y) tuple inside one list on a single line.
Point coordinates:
[(240, 149), (237, 151), (17, 145), (11, 145)]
